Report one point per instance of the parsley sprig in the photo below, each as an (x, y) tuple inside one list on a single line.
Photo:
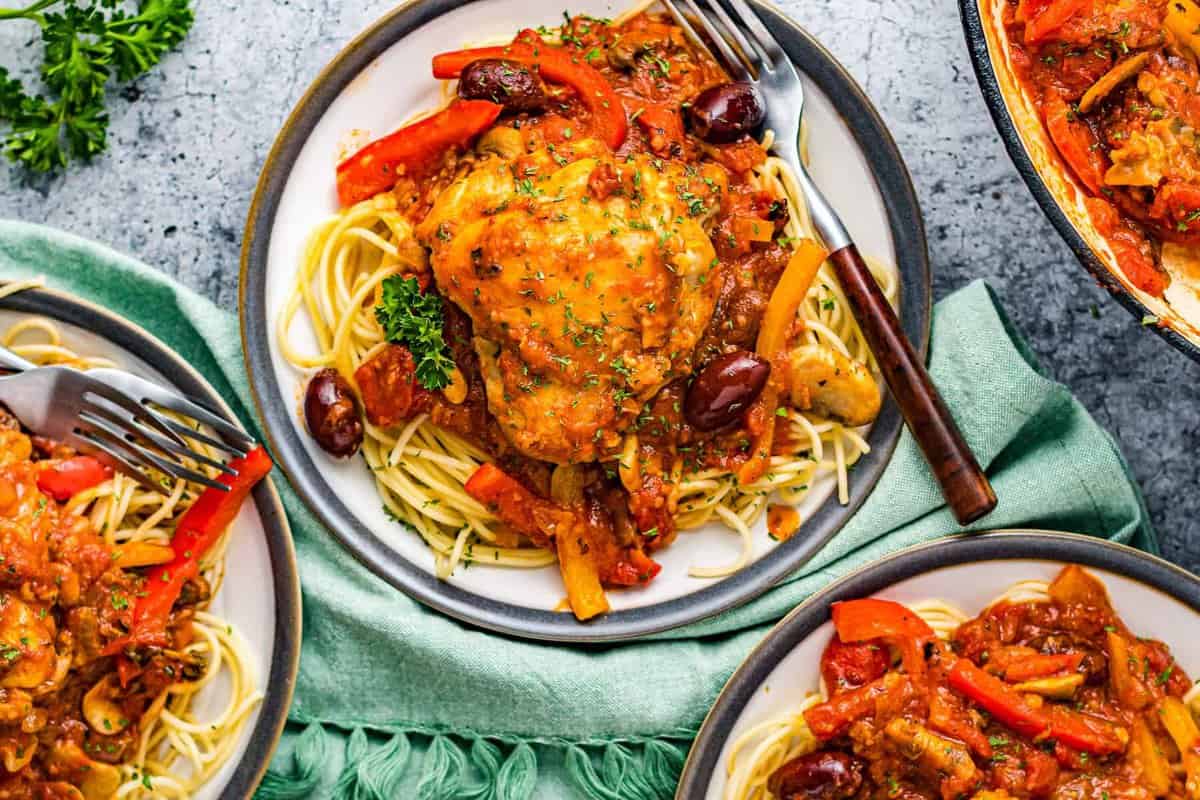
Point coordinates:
[(414, 319), (84, 44)]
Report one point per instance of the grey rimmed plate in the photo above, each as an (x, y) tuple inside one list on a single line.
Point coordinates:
[(1155, 598), (381, 79), (260, 594)]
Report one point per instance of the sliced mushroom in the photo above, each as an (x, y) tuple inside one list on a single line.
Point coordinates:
[(14, 705), (26, 655), (1060, 687), (100, 782), (823, 379), (1111, 80), (16, 753), (501, 141), (96, 780), (101, 710), (456, 390), (944, 756)]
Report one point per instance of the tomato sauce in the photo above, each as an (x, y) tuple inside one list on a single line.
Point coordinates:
[(1046, 698), (1117, 86)]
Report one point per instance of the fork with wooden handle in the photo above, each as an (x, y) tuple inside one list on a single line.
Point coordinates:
[(738, 40)]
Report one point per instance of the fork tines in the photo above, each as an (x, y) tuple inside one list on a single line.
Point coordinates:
[(125, 437), (739, 41)]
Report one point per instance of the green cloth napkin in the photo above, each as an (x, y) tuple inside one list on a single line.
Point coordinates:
[(397, 701)]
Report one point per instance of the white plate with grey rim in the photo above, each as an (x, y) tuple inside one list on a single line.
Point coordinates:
[(382, 78)]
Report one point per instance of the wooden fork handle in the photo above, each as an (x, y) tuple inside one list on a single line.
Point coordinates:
[(963, 483)]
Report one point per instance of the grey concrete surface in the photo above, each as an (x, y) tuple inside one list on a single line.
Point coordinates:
[(187, 142)]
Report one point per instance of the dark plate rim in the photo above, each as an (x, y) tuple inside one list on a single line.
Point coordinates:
[(993, 97), (279, 683), (277, 408), (1017, 544)]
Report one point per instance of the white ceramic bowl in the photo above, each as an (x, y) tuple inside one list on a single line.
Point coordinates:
[(260, 595), (1156, 599)]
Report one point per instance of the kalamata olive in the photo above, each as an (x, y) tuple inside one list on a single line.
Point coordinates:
[(724, 390), (727, 112), (331, 413), (509, 83), (823, 775)]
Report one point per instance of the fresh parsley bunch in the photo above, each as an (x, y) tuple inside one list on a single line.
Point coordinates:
[(414, 319), (85, 42)]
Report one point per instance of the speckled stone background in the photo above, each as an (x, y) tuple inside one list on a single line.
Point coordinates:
[(187, 141)]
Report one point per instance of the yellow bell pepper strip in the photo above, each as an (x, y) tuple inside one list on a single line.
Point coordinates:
[(1111, 80), (556, 65), (777, 321), (1183, 20), (581, 577), (1144, 751), (199, 529), (376, 167), (1177, 719)]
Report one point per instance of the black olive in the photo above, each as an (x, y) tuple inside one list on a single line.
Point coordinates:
[(727, 112), (331, 412), (509, 83), (724, 390), (823, 775)]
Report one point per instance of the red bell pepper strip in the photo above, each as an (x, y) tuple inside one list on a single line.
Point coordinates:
[(1008, 706), (872, 618), (1076, 143), (200, 527), (835, 715), (506, 498), (634, 569), (557, 66), (1028, 667), (663, 125), (1051, 19), (69, 477), (376, 167)]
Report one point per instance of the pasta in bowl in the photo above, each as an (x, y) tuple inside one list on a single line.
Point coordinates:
[(1060, 680), (128, 671)]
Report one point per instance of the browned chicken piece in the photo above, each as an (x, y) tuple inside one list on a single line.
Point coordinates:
[(589, 280), (822, 379)]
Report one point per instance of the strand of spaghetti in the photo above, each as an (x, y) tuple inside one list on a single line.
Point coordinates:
[(402, 440), (12, 287), (460, 544), (735, 522)]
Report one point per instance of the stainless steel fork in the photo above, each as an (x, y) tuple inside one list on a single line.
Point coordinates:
[(738, 39), (108, 411), (233, 441)]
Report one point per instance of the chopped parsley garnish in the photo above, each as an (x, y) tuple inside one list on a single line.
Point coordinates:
[(414, 319)]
